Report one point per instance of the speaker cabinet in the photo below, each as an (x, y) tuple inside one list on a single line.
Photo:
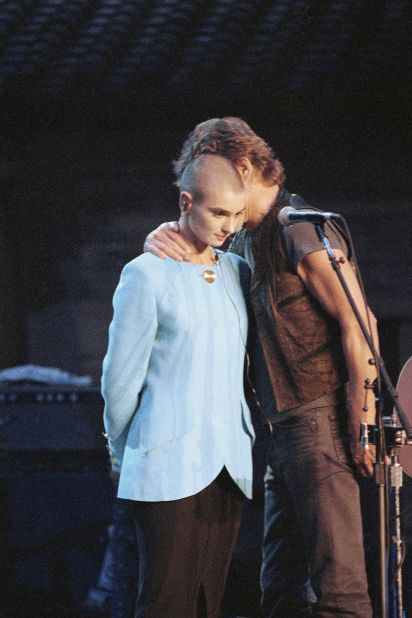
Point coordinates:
[(56, 496)]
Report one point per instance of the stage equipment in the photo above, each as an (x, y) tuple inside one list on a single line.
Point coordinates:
[(401, 459), (404, 388), (57, 497), (288, 215)]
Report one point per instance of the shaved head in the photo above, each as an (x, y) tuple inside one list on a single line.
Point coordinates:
[(212, 202), (209, 172)]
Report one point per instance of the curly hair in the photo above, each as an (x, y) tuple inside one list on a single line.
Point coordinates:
[(232, 138)]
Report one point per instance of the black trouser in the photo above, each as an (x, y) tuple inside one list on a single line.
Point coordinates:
[(312, 521), (185, 549)]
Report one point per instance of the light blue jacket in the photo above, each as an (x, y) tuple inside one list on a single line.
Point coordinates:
[(175, 411)]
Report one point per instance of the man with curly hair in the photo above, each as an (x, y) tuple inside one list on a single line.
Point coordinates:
[(312, 388)]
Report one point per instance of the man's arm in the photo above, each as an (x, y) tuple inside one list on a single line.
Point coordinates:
[(166, 241), (316, 272)]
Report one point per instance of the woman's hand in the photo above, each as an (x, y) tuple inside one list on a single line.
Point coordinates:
[(166, 241)]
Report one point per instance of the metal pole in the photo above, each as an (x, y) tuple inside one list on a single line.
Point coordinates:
[(395, 483)]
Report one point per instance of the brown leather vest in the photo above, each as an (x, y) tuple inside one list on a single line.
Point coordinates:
[(301, 342)]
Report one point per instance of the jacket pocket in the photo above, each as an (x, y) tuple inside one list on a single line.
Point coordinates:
[(313, 354), (291, 299)]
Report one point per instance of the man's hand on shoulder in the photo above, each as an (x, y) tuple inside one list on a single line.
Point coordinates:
[(166, 241)]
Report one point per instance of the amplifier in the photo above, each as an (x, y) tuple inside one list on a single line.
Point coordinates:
[(50, 418), (56, 495)]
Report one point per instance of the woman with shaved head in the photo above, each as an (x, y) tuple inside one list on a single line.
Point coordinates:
[(177, 422)]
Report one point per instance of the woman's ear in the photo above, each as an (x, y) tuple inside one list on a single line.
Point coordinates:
[(185, 201)]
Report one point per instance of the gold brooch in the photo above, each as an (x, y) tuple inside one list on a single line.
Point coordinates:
[(209, 276)]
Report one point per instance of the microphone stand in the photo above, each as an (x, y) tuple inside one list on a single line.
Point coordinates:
[(380, 471)]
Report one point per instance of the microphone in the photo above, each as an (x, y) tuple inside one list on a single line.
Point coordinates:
[(289, 215)]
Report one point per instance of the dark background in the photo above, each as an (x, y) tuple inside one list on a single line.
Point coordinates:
[(96, 98)]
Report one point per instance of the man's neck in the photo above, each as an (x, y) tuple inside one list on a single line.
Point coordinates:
[(261, 200)]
